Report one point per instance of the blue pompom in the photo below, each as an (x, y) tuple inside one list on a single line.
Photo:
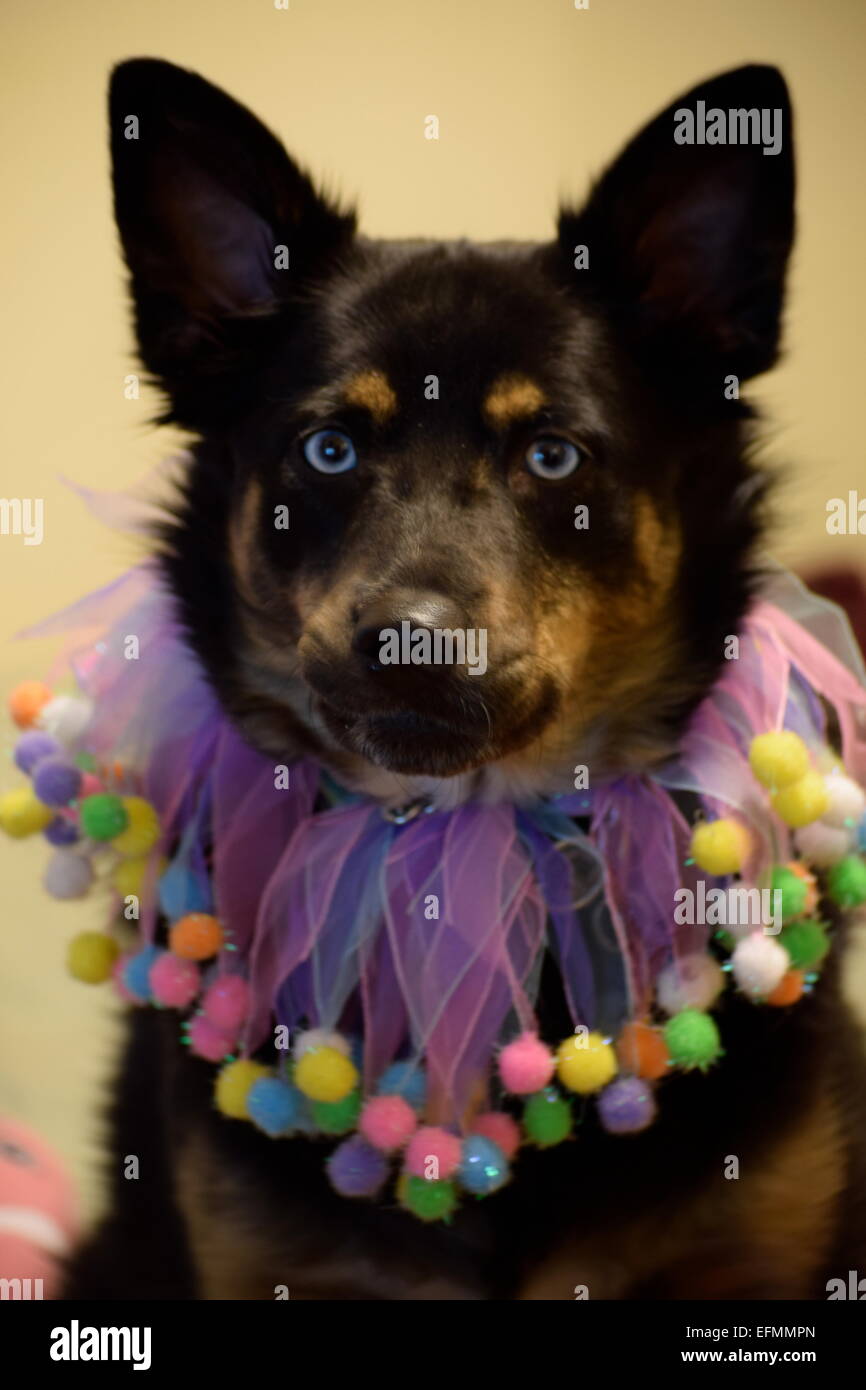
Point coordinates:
[(404, 1079), (483, 1166), (180, 892), (274, 1105), (356, 1169), (136, 971)]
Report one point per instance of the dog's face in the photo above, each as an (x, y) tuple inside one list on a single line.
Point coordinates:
[(455, 507)]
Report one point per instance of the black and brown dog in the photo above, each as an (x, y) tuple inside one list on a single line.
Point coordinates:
[(433, 415)]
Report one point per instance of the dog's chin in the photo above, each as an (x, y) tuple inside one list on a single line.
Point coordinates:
[(408, 743)]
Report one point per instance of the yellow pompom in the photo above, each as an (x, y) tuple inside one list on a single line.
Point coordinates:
[(21, 813), (142, 830), (233, 1084), (720, 846), (779, 759), (325, 1074), (803, 802), (130, 877), (585, 1064), (90, 957)]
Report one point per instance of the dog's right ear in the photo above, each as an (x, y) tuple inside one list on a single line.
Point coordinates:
[(220, 228)]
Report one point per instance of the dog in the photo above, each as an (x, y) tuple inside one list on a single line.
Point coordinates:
[(544, 443)]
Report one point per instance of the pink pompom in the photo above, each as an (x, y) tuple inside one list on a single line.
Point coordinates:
[(692, 982), (226, 1002), (174, 982), (526, 1065), (500, 1129), (208, 1041), (433, 1153), (91, 785), (117, 975), (387, 1122)]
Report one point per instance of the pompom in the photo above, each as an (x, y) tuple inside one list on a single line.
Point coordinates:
[(585, 1063), (91, 785), (67, 875), (846, 882), (102, 816), (692, 1039), (547, 1118), (226, 1002), (132, 876), (117, 975), (694, 982), (142, 828), (208, 1041), (720, 846), (357, 1170), (526, 1065), (387, 1122), (802, 802), (501, 1128), (429, 1200), (233, 1084), (22, 813), (778, 759), (326, 1074), (788, 990), (315, 1038), (61, 832), (643, 1050), (792, 890), (339, 1116), (626, 1106), (198, 936), (26, 700), (91, 956), (182, 892), (56, 780), (483, 1168), (404, 1079), (174, 982), (846, 802), (65, 717), (805, 943), (821, 845), (136, 972), (32, 747), (432, 1153), (274, 1106), (758, 964), (805, 877)]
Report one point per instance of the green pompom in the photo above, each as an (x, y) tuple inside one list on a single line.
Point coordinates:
[(793, 890), (339, 1116), (547, 1118), (846, 881), (693, 1039), (103, 816), (430, 1199), (806, 943), (726, 940), (86, 761)]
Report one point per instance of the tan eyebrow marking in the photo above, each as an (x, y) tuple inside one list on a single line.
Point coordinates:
[(512, 396), (372, 391)]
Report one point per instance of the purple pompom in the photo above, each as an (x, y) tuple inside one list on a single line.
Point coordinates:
[(356, 1169), (56, 781), (62, 831), (32, 747), (626, 1106)]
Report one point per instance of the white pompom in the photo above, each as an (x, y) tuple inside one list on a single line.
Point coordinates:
[(65, 718), (847, 802), (695, 982), (759, 963), (319, 1037), (823, 845), (68, 874)]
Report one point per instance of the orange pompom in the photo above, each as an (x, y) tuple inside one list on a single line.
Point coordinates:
[(196, 936), (26, 700), (643, 1050), (788, 990)]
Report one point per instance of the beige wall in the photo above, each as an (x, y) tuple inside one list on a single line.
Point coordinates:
[(532, 97)]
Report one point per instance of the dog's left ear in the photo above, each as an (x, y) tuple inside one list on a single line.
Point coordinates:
[(687, 238)]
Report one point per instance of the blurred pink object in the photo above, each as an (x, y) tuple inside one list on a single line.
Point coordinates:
[(38, 1213)]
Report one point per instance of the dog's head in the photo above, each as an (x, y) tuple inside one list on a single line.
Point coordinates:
[(458, 507)]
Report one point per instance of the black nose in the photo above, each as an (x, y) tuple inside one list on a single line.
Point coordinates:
[(418, 608)]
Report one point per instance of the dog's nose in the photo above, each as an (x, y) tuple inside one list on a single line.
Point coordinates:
[(388, 613)]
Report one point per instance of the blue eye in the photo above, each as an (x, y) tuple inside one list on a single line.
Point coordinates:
[(552, 458), (330, 451)]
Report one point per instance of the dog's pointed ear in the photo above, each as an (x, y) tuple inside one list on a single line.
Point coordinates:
[(687, 240), (219, 226)]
